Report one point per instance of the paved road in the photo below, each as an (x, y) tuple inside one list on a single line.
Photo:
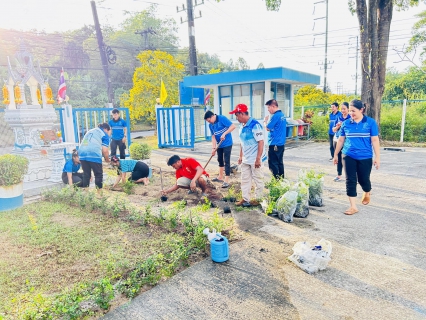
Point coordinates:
[(378, 262)]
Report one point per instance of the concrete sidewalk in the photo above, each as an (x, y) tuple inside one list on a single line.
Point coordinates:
[(378, 262)]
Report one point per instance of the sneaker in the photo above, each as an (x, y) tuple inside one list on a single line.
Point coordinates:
[(204, 195), (240, 202), (254, 203), (225, 185), (331, 159), (337, 179), (217, 180)]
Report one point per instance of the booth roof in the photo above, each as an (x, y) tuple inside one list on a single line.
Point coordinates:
[(279, 74)]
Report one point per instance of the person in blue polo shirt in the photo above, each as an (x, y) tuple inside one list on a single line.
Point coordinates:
[(252, 155), (93, 146), (140, 171), (344, 109), (220, 127), (276, 125), (358, 137), (119, 134), (334, 115), (70, 174)]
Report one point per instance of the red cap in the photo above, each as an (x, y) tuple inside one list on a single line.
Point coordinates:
[(239, 108)]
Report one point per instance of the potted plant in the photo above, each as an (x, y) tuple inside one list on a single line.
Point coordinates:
[(12, 171)]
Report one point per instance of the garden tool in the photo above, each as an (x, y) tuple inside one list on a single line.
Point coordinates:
[(220, 142), (163, 198)]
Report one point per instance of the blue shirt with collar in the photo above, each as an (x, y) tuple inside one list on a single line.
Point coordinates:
[(277, 126), (341, 119), (250, 134), (117, 128), (221, 124), (333, 120), (71, 167), (358, 137), (91, 146)]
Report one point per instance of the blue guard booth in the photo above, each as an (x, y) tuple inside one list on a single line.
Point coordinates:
[(253, 88)]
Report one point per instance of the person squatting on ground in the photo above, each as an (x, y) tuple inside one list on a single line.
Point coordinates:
[(358, 137), (220, 127), (93, 146), (252, 154), (189, 175), (344, 109), (140, 171), (334, 115), (276, 125), (70, 174), (119, 134)]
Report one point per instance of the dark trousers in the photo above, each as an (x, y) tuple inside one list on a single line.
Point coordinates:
[(224, 159), (141, 170), (77, 178), (357, 171), (121, 146), (276, 160), (330, 140), (339, 158), (88, 167)]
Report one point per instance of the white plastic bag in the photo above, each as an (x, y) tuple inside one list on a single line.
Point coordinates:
[(311, 258), (286, 206)]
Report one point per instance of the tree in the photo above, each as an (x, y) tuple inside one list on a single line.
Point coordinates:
[(156, 66), (374, 21)]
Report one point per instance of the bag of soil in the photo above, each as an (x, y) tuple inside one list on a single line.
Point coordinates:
[(315, 181), (302, 208), (286, 206)]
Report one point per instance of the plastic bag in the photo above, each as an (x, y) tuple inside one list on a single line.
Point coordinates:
[(286, 206), (315, 181), (311, 258), (302, 208)]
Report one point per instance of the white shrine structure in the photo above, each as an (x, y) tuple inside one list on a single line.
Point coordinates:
[(32, 116)]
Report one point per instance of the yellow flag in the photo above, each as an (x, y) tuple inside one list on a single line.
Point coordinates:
[(163, 93)]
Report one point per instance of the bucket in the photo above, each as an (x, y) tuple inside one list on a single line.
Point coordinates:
[(219, 249)]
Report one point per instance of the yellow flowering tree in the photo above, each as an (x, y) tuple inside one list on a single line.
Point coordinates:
[(155, 66)]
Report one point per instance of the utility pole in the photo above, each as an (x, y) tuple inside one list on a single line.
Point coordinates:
[(193, 66), (144, 34), (102, 52), (326, 63), (356, 62)]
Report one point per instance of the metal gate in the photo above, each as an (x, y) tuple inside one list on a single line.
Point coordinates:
[(181, 127)]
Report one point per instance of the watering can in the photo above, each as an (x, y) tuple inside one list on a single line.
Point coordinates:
[(219, 246)]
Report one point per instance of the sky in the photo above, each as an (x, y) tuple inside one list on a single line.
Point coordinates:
[(292, 37)]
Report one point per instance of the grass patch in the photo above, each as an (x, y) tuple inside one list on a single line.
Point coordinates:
[(71, 254), (151, 141)]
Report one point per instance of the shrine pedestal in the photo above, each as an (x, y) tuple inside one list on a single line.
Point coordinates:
[(55, 154)]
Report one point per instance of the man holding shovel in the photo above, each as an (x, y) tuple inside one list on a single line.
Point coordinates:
[(220, 127), (189, 175)]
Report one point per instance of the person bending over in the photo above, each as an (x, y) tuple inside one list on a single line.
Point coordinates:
[(189, 175), (140, 171)]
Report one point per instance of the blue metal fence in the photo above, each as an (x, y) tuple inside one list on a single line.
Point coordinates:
[(89, 118), (176, 127)]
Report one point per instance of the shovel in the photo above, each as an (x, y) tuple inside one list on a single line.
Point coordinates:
[(217, 147), (163, 198)]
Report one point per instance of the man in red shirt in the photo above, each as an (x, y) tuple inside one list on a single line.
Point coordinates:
[(189, 175)]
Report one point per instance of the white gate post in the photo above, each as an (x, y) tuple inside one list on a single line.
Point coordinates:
[(404, 111), (67, 117)]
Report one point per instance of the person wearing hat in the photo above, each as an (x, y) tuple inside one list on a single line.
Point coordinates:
[(140, 171), (220, 128), (252, 154), (119, 133), (189, 175)]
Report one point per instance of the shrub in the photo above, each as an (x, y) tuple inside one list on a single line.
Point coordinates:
[(319, 127), (139, 151), (12, 169)]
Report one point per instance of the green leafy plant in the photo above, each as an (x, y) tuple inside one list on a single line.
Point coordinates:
[(140, 151), (12, 169), (129, 187)]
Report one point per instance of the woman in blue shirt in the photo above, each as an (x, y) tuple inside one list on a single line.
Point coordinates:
[(69, 173), (358, 137), (140, 171), (333, 116), (344, 108)]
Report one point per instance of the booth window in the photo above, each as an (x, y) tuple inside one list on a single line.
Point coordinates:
[(258, 100), (225, 101), (241, 94), (281, 93)]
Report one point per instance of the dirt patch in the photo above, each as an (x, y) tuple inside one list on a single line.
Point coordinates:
[(66, 220)]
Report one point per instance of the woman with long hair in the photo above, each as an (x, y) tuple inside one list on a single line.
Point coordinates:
[(359, 135), (344, 109)]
